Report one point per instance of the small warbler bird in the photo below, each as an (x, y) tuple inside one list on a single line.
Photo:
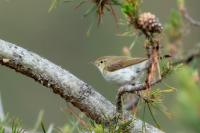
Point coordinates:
[(122, 70)]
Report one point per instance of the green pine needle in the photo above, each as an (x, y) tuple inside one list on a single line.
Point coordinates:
[(53, 5), (43, 128), (152, 115)]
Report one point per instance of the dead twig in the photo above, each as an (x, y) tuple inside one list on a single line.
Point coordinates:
[(184, 12), (193, 55)]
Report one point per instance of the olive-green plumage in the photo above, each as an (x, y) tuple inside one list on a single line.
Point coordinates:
[(121, 69)]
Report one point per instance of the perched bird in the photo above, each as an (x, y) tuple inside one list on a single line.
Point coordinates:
[(122, 70)]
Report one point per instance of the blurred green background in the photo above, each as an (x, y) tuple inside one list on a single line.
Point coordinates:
[(60, 36)]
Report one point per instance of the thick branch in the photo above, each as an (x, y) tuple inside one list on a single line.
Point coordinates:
[(63, 83)]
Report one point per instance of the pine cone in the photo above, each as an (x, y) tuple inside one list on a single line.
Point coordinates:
[(149, 23)]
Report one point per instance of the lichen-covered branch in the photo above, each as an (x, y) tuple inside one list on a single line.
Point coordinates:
[(132, 89), (73, 90), (63, 83)]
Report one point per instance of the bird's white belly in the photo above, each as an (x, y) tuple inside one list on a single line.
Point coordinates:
[(126, 75)]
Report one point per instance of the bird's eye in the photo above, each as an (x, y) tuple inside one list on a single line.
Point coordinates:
[(101, 62)]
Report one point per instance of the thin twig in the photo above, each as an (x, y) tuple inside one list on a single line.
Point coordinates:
[(193, 55), (186, 15)]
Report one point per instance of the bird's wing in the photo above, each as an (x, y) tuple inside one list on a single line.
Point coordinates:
[(124, 62)]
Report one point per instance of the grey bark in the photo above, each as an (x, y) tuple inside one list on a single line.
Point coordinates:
[(63, 83)]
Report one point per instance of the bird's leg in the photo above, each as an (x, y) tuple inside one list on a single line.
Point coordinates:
[(132, 102), (119, 99), (129, 88)]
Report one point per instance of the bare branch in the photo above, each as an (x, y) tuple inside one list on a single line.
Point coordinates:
[(189, 58), (190, 19), (63, 83), (186, 15)]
